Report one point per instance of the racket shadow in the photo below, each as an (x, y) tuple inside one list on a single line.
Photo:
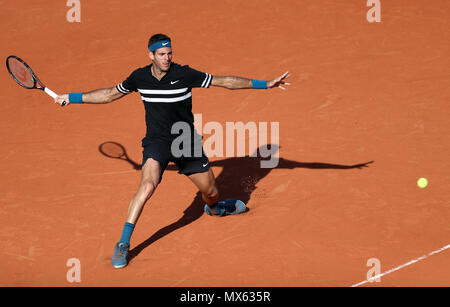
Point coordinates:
[(237, 180), (116, 150)]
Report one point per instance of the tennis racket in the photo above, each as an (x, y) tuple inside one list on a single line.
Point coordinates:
[(24, 75), (117, 151)]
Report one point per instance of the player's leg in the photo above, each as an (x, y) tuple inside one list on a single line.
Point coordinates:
[(151, 173), (199, 172), (206, 184), (155, 160)]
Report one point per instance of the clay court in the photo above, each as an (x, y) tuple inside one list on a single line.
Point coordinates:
[(360, 92)]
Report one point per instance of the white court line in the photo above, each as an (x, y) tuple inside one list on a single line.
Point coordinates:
[(402, 266)]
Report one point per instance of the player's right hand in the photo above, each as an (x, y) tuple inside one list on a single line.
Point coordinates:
[(60, 99)]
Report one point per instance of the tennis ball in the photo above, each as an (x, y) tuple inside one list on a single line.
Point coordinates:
[(422, 183)]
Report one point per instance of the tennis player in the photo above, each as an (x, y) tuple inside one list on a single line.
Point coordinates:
[(166, 91)]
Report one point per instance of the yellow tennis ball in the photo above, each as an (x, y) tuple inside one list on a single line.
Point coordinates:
[(422, 183)]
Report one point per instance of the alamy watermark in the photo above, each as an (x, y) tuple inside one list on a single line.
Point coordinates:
[(234, 136), (374, 14), (373, 275), (74, 273), (74, 13)]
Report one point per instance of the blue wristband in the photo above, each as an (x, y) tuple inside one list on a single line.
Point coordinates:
[(76, 97), (259, 84)]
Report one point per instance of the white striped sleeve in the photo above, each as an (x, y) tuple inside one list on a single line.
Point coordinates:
[(207, 81), (122, 89), (197, 78)]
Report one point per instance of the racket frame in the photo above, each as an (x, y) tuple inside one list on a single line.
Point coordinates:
[(120, 146), (35, 79)]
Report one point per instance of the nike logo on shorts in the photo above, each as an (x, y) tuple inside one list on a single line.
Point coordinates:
[(204, 165)]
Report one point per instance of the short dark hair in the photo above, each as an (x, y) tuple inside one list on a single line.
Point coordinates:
[(157, 38)]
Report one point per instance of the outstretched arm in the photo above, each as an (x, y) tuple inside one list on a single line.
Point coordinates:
[(235, 83), (104, 95)]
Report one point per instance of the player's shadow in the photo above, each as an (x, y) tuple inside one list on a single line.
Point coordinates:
[(237, 180)]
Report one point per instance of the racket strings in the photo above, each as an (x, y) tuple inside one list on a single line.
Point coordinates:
[(21, 73)]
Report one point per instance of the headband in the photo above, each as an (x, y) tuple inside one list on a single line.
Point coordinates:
[(160, 44)]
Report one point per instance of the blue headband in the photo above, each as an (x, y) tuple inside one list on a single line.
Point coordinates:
[(160, 44)]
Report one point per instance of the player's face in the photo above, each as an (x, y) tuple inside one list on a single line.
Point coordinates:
[(162, 58)]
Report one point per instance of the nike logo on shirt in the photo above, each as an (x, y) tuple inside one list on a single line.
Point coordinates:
[(173, 82)]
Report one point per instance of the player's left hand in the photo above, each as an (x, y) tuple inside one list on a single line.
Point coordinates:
[(279, 82)]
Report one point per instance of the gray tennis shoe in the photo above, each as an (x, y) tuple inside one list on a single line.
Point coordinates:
[(119, 258)]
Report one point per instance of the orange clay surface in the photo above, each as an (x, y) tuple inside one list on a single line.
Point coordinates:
[(360, 92)]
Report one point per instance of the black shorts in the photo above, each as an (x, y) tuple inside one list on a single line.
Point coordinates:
[(161, 151)]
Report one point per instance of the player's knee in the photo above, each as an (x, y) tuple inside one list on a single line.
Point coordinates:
[(211, 192), (147, 188)]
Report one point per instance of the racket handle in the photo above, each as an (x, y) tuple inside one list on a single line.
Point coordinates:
[(53, 95)]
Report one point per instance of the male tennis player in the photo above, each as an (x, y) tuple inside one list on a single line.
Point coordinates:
[(166, 91)]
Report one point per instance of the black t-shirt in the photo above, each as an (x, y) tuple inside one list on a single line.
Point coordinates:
[(167, 101)]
